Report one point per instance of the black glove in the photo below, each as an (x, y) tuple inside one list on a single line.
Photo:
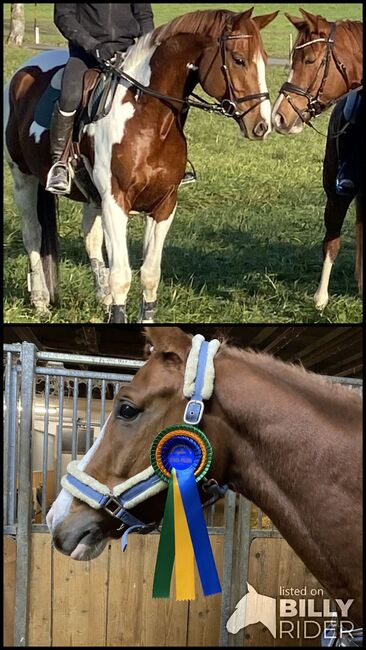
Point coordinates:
[(103, 52)]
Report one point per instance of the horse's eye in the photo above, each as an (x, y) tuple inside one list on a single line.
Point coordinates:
[(238, 60), (127, 411), (309, 61)]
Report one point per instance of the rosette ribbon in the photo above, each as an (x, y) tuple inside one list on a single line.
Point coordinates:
[(181, 456)]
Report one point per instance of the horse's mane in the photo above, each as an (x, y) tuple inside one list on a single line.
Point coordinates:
[(297, 376), (209, 22)]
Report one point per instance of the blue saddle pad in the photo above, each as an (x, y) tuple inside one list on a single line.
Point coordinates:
[(44, 108)]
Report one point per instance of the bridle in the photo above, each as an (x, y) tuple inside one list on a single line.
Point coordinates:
[(227, 107), (230, 104), (315, 103), (118, 501)]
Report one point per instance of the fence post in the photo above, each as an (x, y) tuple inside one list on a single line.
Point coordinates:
[(241, 563), (24, 525)]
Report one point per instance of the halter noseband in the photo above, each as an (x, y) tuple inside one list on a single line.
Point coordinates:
[(230, 105), (315, 104), (198, 386)]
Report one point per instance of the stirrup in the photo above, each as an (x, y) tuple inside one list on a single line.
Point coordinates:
[(55, 190)]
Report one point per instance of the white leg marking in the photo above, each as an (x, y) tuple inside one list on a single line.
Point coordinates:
[(25, 194), (61, 505), (321, 298), (93, 232), (265, 107), (155, 235), (115, 223)]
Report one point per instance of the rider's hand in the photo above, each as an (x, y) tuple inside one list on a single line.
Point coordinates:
[(104, 52)]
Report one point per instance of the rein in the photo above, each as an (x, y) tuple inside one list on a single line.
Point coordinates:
[(227, 107), (315, 104), (198, 386)]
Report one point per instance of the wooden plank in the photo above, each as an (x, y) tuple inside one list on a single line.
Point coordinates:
[(204, 612), (79, 600), (40, 595), (274, 565), (9, 590), (134, 617)]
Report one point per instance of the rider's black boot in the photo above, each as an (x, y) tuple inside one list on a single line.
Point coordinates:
[(58, 181)]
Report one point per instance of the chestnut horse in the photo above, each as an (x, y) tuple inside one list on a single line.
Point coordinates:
[(136, 155), (326, 63), (283, 437)]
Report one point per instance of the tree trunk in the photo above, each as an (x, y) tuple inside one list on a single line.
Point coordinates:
[(17, 25)]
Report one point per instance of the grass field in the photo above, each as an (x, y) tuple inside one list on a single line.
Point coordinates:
[(245, 244)]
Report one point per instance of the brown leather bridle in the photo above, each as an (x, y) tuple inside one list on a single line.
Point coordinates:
[(315, 103)]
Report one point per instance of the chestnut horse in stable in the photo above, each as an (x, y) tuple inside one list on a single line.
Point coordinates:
[(281, 436), (326, 64), (136, 154)]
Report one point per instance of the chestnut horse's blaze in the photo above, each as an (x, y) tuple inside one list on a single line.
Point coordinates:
[(283, 437), (136, 155)]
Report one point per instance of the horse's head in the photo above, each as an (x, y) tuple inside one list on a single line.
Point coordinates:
[(232, 69), (316, 76), (151, 402)]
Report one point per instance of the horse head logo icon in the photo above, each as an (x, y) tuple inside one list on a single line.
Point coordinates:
[(253, 608)]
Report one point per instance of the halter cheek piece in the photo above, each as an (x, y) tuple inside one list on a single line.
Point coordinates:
[(315, 104), (117, 502)]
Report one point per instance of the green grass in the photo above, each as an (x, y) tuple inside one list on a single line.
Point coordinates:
[(246, 242)]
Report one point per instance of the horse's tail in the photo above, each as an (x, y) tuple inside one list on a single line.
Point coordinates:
[(47, 217)]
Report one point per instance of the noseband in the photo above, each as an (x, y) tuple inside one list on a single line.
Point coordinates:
[(117, 502), (315, 104), (230, 105)]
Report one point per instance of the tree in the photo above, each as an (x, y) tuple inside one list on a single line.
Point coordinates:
[(17, 25)]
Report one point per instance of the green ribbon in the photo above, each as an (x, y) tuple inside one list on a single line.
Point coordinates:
[(166, 550)]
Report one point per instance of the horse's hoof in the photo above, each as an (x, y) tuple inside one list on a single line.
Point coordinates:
[(147, 312), (42, 308), (117, 314), (320, 301)]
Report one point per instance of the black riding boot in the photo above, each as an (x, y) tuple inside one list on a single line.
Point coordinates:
[(58, 181)]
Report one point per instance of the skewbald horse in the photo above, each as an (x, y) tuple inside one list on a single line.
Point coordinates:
[(283, 437), (136, 156), (326, 63)]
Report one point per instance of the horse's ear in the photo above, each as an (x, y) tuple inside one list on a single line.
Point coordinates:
[(171, 342), (247, 13), (311, 19), (263, 21), (299, 23)]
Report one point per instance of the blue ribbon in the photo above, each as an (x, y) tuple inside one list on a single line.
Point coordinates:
[(198, 531)]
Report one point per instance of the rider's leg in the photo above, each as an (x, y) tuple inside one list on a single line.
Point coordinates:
[(63, 122)]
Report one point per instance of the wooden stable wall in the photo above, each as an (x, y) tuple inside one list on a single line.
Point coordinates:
[(107, 602)]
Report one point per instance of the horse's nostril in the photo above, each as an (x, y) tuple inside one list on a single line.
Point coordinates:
[(279, 120), (261, 129)]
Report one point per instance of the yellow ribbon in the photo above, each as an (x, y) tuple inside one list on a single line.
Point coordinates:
[(184, 555)]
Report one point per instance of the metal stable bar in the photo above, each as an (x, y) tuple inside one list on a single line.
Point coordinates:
[(6, 436), (88, 442), (45, 447), (12, 446), (102, 405), (90, 360), (82, 374), (74, 435), (61, 386), (24, 528)]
